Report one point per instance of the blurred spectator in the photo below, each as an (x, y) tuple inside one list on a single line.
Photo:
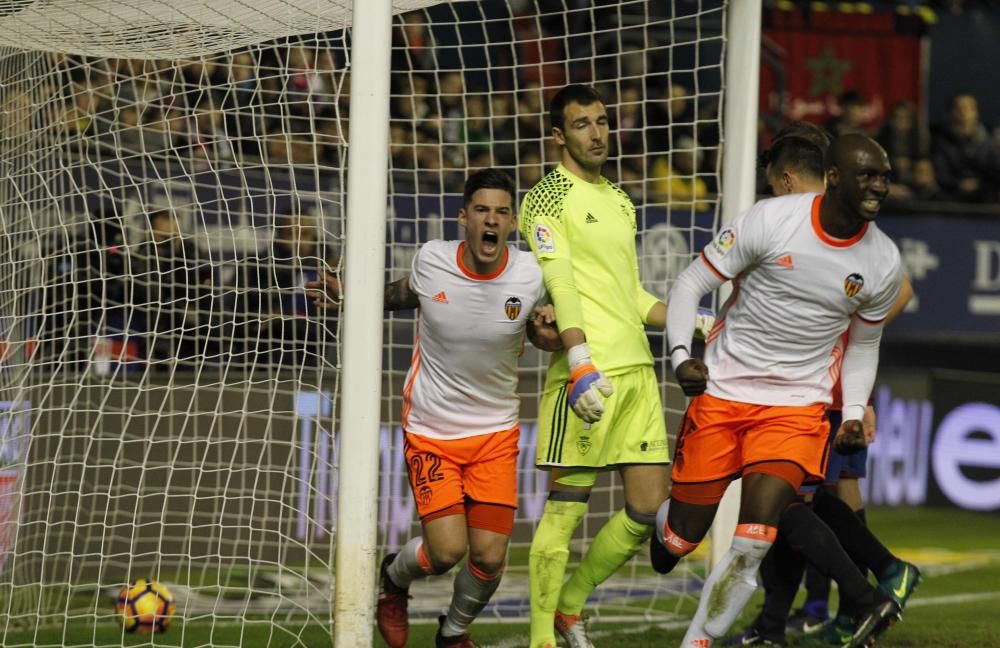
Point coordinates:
[(309, 89), (281, 326), (477, 132), (539, 54), (902, 139), (503, 129), (403, 161), (629, 120), (632, 178), (851, 118), (158, 134), (709, 139), (669, 118), (173, 294), (128, 137), (923, 183), (529, 168), (966, 161), (529, 113), (412, 43), (209, 144), (85, 295), (294, 150), (451, 112), (674, 178), (79, 112), (242, 105)]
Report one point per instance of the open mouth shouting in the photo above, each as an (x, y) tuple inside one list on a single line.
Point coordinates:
[(489, 243)]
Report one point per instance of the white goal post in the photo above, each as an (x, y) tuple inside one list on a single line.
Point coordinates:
[(172, 403)]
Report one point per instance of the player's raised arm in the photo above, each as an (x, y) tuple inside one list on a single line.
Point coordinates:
[(327, 293), (399, 295)]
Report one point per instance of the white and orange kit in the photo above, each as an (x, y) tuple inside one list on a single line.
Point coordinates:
[(460, 402), (774, 354)]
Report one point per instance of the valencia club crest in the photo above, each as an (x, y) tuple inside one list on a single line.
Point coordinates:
[(853, 284), (512, 308)]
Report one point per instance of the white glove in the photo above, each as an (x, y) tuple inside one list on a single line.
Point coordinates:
[(703, 323), (586, 385)]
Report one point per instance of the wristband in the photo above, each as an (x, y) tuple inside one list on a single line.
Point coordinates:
[(678, 355), (852, 412), (578, 355)]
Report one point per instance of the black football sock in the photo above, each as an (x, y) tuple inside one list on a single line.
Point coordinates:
[(847, 607), (857, 539), (780, 573), (807, 533)]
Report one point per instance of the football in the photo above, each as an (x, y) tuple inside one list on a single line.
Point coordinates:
[(145, 606)]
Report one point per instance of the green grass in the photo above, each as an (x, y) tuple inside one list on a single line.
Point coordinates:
[(955, 606)]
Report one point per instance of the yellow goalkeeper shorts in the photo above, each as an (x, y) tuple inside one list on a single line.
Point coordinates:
[(632, 430)]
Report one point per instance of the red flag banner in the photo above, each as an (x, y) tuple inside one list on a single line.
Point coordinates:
[(815, 67)]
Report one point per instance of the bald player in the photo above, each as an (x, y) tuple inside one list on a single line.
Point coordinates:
[(806, 269), (794, 164)]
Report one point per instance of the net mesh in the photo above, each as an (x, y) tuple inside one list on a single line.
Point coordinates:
[(172, 175)]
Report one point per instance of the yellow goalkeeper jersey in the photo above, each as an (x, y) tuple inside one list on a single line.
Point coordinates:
[(593, 226)]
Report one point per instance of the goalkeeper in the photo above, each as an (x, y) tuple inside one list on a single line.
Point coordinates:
[(582, 229)]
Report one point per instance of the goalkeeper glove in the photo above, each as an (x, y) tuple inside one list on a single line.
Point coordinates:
[(586, 385), (703, 323)]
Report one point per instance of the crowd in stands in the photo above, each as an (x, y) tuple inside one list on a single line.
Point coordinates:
[(954, 161), (285, 108), (167, 302)]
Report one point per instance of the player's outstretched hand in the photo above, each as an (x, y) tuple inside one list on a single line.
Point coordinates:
[(703, 323), (692, 376), (542, 330), (850, 438), (586, 386), (325, 291)]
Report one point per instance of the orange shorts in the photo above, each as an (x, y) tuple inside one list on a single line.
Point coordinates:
[(447, 473), (719, 439)]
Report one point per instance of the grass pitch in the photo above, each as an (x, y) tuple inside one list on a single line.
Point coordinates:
[(955, 607)]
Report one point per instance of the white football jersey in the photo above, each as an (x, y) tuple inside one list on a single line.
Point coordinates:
[(795, 290), (462, 380)]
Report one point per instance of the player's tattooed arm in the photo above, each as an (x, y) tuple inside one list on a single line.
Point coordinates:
[(327, 292), (399, 295)]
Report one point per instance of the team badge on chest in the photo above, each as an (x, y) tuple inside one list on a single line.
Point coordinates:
[(853, 284), (512, 308)]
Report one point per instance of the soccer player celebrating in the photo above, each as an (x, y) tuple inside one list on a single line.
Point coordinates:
[(794, 164), (460, 405), (806, 268), (582, 229)]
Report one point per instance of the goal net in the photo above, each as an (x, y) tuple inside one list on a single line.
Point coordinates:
[(171, 174)]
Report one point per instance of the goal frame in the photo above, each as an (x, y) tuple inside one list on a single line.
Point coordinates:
[(364, 271)]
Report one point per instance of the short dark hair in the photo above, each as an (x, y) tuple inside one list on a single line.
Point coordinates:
[(488, 179), (573, 93), (795, 153), (807, 131)]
